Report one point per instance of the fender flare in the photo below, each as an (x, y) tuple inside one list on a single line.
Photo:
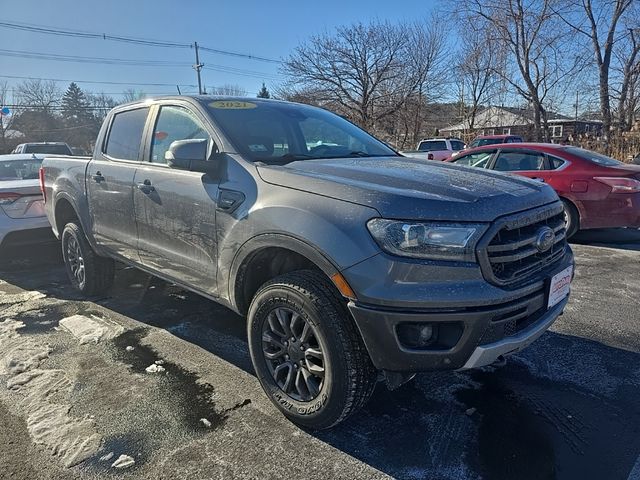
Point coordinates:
[(279, 240)]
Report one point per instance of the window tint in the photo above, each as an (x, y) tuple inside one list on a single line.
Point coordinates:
[(515, 161), (555, 162), (126, 134), (432, 145), (479, 159), (276, 133), (456, 145), (174, 123), (593, 156), (20, 169), (55, 149)]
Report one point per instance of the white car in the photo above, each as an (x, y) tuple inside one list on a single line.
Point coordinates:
[(22, 216), (436, 148)]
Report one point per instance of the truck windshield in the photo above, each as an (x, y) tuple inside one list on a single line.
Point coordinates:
[(278, 133)]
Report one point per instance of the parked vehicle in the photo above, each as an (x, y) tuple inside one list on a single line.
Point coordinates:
[(596, 191), (493, 140), (49, 148), (22, 217), (435, 148), (347, 258)]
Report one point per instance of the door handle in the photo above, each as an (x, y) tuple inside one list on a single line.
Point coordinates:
[(146, 187), (98, 177), (539, 179)]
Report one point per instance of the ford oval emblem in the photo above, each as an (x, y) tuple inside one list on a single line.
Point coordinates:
[(545, 238)]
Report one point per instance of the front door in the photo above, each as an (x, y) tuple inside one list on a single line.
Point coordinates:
[(109, 183), (176, 209)]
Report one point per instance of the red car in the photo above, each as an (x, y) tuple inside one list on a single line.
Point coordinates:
[(597, 191)]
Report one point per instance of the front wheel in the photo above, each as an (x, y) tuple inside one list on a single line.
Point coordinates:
[(307, 352), (88, 272)]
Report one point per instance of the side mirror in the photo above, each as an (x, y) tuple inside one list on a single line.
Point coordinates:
[(191, 155)]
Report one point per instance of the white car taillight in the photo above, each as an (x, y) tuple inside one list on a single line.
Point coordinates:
[(620, 184), (7, 198)]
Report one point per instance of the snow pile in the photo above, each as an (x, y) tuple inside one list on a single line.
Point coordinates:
[(10, 299), (41, 390), (90, 330)]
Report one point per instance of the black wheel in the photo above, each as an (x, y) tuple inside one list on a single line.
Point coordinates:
[(88, 272), (571, 217), (307, 352)]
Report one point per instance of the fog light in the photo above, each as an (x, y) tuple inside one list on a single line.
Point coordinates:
[(415, 335)]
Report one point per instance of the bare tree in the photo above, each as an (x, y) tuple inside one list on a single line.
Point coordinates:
[(131, 95), (478, 71), (229, 90), (358, 70), (540, 57), (38, 95), (101, 104), (599, 21)]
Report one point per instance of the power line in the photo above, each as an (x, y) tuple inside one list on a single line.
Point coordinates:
[(99, 60), (118, 61), (133, 40), (17, 77)]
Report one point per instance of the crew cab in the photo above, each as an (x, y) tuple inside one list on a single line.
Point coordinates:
[(347, 259), (436, 148)]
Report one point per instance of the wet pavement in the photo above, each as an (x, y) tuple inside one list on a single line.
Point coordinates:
[(565, 408)]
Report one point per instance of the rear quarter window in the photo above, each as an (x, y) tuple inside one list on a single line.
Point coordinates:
[(125, 134)]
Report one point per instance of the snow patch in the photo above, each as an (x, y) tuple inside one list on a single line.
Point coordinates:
[(123, 461), (154, 368), (90, 330), (42, 396), (107, 457), (8, 299)]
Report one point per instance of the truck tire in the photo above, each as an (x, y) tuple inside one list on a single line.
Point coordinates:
[(88, 272), (571, 217), (307, 352)]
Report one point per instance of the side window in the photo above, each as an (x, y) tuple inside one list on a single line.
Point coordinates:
[(456, 145), (555, 162), (174, 123), (480, 159), (517, 161), (125, 134)]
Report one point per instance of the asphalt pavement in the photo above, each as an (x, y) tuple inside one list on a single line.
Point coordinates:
[(73, 401)]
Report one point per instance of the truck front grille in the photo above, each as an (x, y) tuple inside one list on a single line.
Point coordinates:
[(510, 253)]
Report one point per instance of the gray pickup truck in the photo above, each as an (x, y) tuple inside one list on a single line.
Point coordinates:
[(348, 260)]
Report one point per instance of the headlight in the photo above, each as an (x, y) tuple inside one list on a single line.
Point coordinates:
[(437, 241)]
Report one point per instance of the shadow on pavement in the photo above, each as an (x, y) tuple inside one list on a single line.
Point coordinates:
[(623, 238)]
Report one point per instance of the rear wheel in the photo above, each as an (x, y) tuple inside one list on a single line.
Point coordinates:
[(88, 272), (571, 217), (307, 352)]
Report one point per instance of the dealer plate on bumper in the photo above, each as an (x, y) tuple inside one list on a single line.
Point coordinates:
[(560, 286)]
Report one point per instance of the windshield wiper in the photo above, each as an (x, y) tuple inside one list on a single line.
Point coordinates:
[(358, 153)]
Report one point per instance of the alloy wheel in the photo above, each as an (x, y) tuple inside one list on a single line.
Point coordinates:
[(75, 259), (293, 353)]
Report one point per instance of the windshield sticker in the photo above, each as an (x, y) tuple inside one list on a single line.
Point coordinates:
[(232, 105), (257, 147)]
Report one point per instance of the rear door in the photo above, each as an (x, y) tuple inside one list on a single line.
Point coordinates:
[(176, 209), (527, 163), (109, 182)]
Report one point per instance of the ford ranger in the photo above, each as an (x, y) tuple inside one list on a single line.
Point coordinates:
[(350, 262)]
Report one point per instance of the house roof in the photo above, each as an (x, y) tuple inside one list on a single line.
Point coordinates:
[(496, 117)]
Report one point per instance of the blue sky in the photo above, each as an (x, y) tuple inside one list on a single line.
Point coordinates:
[(266, 29)]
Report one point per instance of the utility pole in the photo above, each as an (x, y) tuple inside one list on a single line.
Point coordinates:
[(198, 66)]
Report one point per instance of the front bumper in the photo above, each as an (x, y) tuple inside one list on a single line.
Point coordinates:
[(502, 323)]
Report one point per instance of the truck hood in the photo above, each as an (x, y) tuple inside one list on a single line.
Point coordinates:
[(405, 188)]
